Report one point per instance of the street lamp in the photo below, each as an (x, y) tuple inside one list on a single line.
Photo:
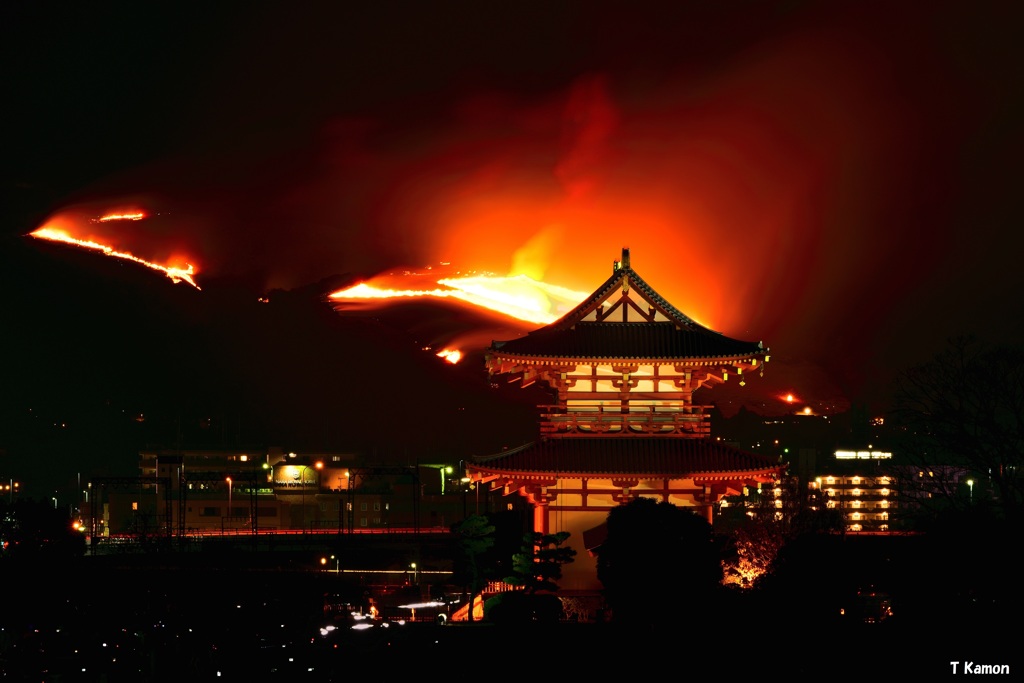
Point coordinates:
[(319, 465), (229, 498), (256, 496), (970, 487), (415, 573)]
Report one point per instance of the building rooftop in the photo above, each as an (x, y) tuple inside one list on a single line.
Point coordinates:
[(625, 318), (630, 457)]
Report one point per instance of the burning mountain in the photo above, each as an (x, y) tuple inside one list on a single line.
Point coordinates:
[(60, 229), (519, 296), (109, 349)]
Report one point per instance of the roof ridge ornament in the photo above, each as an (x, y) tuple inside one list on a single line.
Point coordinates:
[(624, 263)]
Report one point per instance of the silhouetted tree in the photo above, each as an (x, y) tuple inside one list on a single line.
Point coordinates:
[(658, 561), (476, 537), (779, 514), (537, 567), (811, 575), (960, 417)]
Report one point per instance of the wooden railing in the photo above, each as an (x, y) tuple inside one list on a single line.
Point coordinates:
[(689, 422)]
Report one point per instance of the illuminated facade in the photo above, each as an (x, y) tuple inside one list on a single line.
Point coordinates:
[(622, 368), (867, 503)]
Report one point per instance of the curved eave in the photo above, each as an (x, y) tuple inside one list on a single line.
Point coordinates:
[(542, 475), (636, 457), (682, 360), (628, 341)]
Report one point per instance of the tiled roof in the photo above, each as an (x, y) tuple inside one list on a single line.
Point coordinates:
[(571, 336), (636, 282), (627, 457), (661, 340)]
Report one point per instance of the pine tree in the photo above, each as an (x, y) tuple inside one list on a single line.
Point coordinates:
[(538, 565)]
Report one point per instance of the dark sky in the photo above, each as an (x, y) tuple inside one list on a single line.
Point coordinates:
[(839, 180)]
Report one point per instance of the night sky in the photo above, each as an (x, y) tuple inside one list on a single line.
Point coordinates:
[(839, 180)]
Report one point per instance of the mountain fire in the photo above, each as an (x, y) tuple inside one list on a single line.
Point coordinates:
[(134, 216), (517, 296), (451, 355), (175, 272)]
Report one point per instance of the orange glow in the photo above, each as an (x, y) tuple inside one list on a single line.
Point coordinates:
[(519, 296), (789, 398), (135, 216), (176, 273), (452, 356)]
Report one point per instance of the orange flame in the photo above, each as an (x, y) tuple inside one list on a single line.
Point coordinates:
[(453, 356), (176, 273), (136, 216), (518, 296)]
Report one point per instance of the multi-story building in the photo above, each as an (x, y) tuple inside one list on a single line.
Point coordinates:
[(622, 370), (876, 496), (867, 503)]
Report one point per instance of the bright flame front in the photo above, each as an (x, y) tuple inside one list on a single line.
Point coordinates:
[(176, 273), (516, 296), (134, 216), (453, 356)]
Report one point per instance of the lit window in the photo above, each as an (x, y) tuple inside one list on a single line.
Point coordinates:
[(884, 504), (856, 480), (884, 492), (855, 515), (856, 492), (830, 480), (884, 481), (856, 503)]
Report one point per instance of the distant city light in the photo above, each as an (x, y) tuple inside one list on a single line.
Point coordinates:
[(863, 455)]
